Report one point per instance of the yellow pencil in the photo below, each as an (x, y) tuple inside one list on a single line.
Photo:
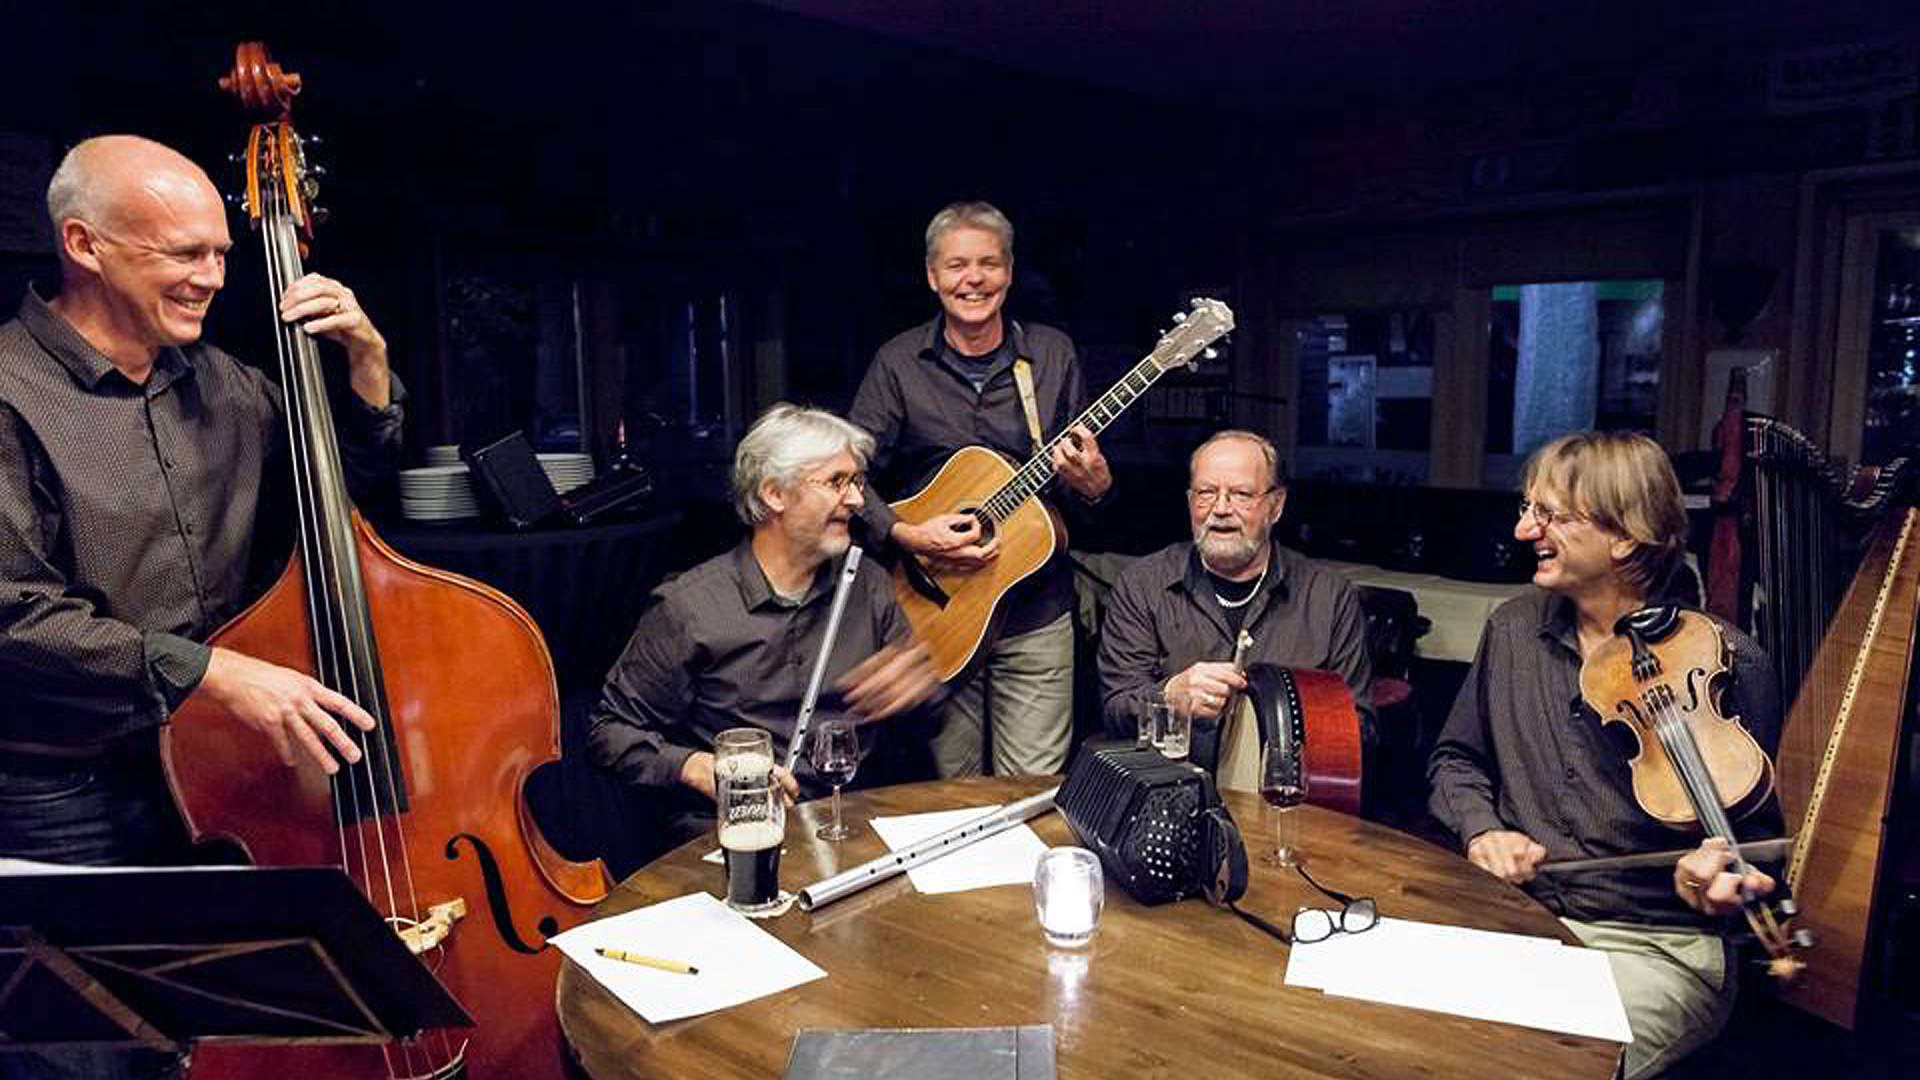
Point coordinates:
[(648, 961)]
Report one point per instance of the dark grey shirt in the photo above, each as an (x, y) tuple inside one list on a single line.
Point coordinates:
[(717, 648), (1162, 618), (126, 518), (1522, 751), (921, 407)]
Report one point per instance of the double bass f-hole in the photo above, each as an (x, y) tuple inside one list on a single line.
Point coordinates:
[(1661, 676)]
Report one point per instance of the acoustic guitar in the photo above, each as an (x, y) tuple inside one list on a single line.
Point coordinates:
[(951, 612)]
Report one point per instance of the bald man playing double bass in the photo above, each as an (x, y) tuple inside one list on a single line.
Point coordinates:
[(132, 459)]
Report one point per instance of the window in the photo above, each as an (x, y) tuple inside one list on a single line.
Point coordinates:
[(1568, 356), (1366, 396)]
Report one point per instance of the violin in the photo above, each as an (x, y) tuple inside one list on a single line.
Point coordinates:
[(1661, 675)]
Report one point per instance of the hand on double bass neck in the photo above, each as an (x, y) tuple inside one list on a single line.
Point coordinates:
[(1704, 880), (325, 308), (296, 712), (947, 542)]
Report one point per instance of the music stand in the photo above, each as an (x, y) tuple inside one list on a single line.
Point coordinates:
[(157, 958)]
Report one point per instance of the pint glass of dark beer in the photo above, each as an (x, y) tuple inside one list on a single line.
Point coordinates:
[(753, 821)]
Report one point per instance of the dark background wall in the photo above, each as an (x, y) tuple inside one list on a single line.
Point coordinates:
[(786, 155)]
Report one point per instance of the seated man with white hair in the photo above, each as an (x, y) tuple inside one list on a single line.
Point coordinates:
[(731, 643)]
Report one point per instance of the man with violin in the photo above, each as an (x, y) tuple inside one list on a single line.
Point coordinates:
[(131, 465), (1525, 775)]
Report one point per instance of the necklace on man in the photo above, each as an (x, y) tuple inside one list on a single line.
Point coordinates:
[(1243, 601)]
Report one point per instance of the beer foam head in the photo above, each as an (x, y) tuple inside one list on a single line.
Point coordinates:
[(741, 767), (755, 835)]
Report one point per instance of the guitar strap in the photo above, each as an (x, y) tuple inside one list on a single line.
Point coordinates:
[(1023, 377)]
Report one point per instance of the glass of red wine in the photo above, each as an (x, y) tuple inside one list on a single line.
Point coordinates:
[(836, 756), (1283, 787)]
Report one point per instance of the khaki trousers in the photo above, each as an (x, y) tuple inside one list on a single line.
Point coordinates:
[(1677, 984), (1032, 709)]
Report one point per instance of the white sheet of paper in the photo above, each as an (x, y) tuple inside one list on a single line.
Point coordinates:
[(1512, 978), (738, 961), (1005, 858)]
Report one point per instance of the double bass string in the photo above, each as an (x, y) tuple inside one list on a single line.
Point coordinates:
[(342, 652)]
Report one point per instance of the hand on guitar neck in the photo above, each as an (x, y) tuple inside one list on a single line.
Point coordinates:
[(1081, 465)]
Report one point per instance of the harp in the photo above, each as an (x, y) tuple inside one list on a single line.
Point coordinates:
[(1838, 560)]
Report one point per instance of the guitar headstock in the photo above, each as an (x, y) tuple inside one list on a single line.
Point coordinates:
[(1194, 332)]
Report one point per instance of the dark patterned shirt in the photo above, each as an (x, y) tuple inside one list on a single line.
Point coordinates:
[(1162, 618), (921, 408), (1522, 751), (717, 648), (126, 521)]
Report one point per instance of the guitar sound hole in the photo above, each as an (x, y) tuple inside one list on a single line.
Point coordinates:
[(986, 523)]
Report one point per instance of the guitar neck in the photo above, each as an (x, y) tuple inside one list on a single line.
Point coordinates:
[(1039, 471)]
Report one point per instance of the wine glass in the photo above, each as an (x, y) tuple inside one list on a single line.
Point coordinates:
[(836, 755), (1283, 786)]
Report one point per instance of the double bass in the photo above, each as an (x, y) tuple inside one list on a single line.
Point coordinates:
[(433, 822)]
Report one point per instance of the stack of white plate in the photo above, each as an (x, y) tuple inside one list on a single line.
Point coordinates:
[(567, 471), (437, 493), (444, 454)]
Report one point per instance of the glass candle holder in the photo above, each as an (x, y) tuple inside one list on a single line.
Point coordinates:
[(1068, 893)]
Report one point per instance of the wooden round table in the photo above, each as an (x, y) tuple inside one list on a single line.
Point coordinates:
[(1178, 991)]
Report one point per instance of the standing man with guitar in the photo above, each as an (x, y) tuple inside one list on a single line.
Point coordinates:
[(954, 382)]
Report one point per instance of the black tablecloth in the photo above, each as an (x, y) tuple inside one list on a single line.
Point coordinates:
[(585, 587)]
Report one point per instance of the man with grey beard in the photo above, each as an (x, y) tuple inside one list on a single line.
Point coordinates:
[(1174, 615)]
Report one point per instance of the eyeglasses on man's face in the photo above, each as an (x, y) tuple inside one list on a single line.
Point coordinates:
[(839, 483), (1546, 516), (1237, 498)]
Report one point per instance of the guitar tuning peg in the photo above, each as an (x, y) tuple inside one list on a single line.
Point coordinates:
[(316, 171), (235, 157), (320, 214), (1179, 316), (1211, 353), (1802, 938), (1787, 908)]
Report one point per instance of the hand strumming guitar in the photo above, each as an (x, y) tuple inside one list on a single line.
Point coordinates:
[(947, 542)]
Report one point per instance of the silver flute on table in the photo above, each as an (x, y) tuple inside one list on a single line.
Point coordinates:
[(848, 882)]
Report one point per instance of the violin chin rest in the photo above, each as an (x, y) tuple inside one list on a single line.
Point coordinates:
[(1651, 623)]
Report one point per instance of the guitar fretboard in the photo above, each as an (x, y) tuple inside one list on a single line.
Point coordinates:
[(1039, 470)]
